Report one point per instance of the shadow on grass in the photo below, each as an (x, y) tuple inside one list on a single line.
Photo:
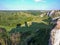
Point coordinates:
[(35, 34)]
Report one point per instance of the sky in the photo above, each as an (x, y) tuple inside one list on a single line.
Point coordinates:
[(29, 4)]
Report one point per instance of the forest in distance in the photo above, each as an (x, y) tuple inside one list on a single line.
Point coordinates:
[(29, 27)]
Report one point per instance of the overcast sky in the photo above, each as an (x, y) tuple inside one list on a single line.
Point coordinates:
[(29, 4)]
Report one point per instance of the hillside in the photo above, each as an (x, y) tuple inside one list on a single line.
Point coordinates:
[(25, 27), (11, 18)]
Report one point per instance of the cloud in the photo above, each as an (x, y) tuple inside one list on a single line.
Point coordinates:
[(39, 0)]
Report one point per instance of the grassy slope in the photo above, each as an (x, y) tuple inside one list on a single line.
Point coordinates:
[(36, 19), (36, 23)]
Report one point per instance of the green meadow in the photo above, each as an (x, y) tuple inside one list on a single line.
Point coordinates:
[(36, 30), (9, 19)]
